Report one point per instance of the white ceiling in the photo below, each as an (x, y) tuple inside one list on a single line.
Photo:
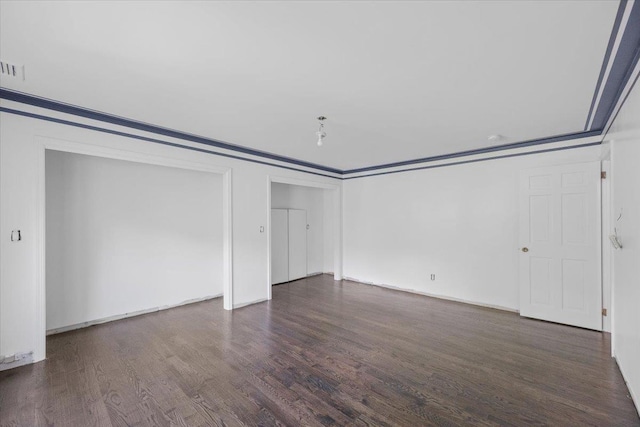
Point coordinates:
[(397, 80)]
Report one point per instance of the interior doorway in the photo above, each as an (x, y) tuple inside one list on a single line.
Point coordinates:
[(126, 238), (103, 153), (304, 231)]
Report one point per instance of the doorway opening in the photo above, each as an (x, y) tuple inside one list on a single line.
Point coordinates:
[(304, 230), (120, 233)]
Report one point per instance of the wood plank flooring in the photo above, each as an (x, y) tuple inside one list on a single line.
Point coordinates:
[(322, 353)]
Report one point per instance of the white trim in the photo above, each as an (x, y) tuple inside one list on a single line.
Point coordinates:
[(68, 146), (15, 360), (438, 296), (599, 231), (308, 276), (302, 182), (216, 151), (612, 57), (623, 97), (127, 315), (493, 155), (317, 273), (605, 206), (268, 225), (40, 348), (303, 169), (43, 143), (338, 236), (244, 304), (612, 187), (1, 210), (227, 239)]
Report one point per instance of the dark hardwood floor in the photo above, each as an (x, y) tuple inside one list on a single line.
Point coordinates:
[(322, 353)]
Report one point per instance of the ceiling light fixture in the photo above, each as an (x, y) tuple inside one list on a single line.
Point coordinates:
[(321, 133)]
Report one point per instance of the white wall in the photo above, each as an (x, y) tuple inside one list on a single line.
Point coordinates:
[(457, 222), (287, 196), (124, 237), (625, 161), (21, 145)]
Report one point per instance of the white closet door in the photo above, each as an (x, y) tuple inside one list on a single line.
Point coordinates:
[(297, 244), (279, 246)]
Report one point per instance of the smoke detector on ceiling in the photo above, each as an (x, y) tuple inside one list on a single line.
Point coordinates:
[(494, 139), (14, 71)]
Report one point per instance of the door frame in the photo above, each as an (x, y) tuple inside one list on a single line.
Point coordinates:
[(53, 144), (607, 252), (337, 221)]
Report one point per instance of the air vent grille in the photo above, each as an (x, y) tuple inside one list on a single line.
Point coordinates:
[(11, 70)]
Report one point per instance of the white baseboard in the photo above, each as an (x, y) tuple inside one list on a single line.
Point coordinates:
[(444, 297), (244, 304), (319, 273), (13, 361), (634, 398), (126, 315)]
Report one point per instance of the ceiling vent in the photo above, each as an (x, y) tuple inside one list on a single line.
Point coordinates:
[(11, 70)]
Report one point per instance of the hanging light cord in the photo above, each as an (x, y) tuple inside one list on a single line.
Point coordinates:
[(321, 134)]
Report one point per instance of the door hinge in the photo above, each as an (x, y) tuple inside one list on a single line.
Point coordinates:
[(604, 311), (603, 174)]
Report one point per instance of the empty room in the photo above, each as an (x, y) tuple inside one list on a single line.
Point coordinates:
[(319, 213)]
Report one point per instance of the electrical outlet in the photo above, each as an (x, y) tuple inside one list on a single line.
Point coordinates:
[(433, 277)]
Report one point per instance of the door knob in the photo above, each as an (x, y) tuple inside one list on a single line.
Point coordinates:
[(525, 249)]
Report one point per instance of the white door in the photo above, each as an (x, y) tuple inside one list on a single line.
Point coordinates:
[(560, 268), (297, 244), (279, 246)]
